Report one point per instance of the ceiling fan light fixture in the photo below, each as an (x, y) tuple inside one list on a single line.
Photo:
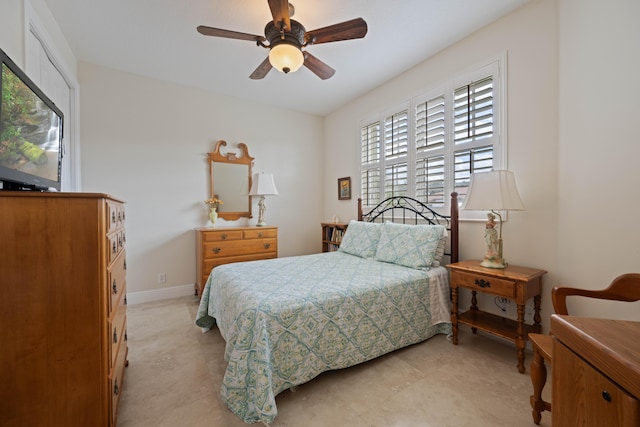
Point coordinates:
[(286, 57)]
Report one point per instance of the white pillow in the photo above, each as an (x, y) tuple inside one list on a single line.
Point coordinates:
[(361, 239), (409, 245)]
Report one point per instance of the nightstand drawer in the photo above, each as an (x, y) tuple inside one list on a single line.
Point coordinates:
[(492, 285)]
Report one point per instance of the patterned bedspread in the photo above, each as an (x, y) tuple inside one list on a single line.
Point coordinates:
[(287, 320)]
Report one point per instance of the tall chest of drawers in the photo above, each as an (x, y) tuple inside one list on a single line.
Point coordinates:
[(217, 246), (62, 308)]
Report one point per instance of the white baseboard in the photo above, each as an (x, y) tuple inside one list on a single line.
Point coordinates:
[(160, 294)]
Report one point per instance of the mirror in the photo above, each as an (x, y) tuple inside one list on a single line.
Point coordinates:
[(230, 181)]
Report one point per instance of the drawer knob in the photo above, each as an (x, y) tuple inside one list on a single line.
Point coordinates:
[(216, 250), (606, 395), (115, 336), (116, 390), (115, 287), (483, 283), (260, 234), (224, 236), (267, 245)]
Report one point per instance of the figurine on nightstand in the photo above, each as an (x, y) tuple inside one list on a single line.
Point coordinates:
[(493, 257)]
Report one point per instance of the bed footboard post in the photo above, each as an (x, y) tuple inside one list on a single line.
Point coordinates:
[(454, 227)]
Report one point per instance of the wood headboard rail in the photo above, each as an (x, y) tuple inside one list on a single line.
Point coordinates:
[(402, 209)]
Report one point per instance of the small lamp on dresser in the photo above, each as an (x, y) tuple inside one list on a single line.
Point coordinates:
[(493, 191), (262, 185)]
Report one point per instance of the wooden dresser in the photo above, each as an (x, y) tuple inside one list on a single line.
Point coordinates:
[(62, 309), (596, 372), (217, 246)]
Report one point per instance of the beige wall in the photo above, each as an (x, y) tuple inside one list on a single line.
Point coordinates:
[(145, 141), (598, 171), (572, 141), (529, 38), (572, 65)]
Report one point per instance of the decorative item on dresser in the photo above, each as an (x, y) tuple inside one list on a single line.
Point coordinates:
[(332, 233), (262, 185), (225, 245), (63, 323), (596, 372), (513, 282)]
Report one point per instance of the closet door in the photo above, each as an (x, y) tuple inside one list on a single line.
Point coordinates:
[(41, 69)]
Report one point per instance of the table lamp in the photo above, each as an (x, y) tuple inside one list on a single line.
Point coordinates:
[(262, 185), (493, 191)]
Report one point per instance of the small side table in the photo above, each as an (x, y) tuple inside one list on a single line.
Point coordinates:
[(513, 282)]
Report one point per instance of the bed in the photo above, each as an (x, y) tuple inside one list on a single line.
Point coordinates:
[(286, 320)]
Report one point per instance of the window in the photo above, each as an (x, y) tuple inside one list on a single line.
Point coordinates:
[(430, 147)]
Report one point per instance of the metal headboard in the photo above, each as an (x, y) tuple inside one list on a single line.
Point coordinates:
[(409, 210)]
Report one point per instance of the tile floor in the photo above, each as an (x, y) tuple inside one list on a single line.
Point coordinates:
[(175, 372)]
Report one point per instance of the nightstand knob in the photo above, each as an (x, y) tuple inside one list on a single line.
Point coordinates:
[(606, 396), (267, 245), (224, 236), (216, 250), (260, 234), (483, 283)]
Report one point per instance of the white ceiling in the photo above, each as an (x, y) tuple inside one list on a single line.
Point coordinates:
[(158, 38)]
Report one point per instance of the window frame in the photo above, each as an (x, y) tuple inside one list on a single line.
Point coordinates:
[(494, 67)]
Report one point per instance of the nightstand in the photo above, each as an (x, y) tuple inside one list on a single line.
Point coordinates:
[(513, 282)]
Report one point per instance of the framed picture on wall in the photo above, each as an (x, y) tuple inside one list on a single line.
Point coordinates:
[(344, 188)]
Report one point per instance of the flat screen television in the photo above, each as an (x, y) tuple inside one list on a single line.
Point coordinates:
[(30, 133)]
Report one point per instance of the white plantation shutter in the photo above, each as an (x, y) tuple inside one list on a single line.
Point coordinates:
[(430, 180), (473, 111), (431, 147), (430, 124), (467, 162), (370, 161), (395, 180), (430, 130), (473, 129), (396, 137)]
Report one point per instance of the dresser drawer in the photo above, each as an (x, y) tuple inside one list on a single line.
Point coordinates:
[(260, 233), (116, 244), (239, 247), (221, 235), (116, 377), (492, 285), (117, 331), (117, 277), (115, 215)]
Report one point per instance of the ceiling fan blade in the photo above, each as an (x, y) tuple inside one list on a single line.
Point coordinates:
[(280, 13), (318, 67), (262, 70), (218, 32), (353, 29)]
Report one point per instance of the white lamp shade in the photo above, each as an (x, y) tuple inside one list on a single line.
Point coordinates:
[(286, 57), (495, 190), (263, 185)]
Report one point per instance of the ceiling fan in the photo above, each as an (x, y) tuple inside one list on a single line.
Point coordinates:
[(287, 37)]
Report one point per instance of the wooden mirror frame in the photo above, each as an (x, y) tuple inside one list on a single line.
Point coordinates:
[(231, 158)]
